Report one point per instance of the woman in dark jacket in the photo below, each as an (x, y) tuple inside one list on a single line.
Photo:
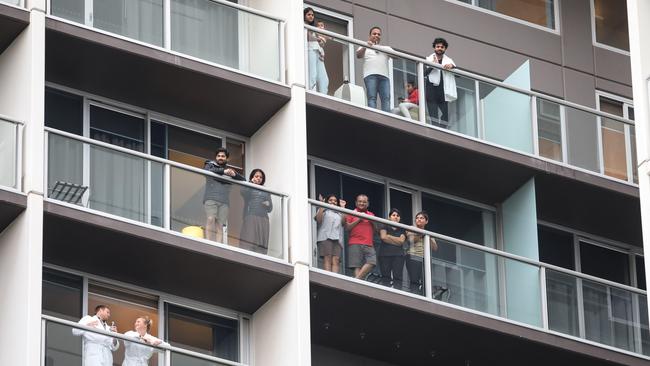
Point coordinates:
[(257, 205)]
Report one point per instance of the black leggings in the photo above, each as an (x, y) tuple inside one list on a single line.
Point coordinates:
[(414, 268), (391, 265)]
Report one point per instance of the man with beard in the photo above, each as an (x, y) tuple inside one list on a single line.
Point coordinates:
[(440, 85)]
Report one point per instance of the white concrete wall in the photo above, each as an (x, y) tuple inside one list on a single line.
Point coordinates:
[(638, 13), (22, 71), (280, 328), (20, 289)]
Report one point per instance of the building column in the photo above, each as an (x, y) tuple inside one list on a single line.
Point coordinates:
[(281, 327), (22, 71), (638, 13)]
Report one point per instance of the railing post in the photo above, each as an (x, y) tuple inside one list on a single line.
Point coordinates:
[(168, 357), (422, 108), (18, 182), (535, 127), (542, 288), (167, 196), (167, 24), (43, 340), (428, 278), (285, 228), (283, 73), (46, 164)]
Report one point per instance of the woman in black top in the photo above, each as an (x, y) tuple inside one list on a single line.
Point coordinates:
[(257, 205), (391, 253)]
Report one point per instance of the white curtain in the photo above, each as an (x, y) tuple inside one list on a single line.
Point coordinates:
[(118, 184), (137, 19), (207, 30), (65, 161)]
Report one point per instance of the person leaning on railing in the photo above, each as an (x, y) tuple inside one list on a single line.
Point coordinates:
[(318, 79), (216, 199), (138, 352), (375, 70), (361, 252), (415, 252), (97, 348), (440, 85), (257, 205), (391, 251), (329, 234)]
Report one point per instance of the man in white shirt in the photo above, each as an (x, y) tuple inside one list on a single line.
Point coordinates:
[(97, 348), (375, 71), (440, 85)]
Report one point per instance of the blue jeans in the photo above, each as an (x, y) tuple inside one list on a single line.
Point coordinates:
[(318, 79), (378, 83)]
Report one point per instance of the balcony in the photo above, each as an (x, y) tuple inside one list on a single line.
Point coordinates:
[(12, 201), (212, 78), (503, 119), (13, 20), (63, 345), (131, 206), (471, 290)]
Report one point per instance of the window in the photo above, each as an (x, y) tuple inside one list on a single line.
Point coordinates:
[(556, 247), (610, 23), (201, 332), (549, 129), (618, 145), (197, 329), (62, 294), (339, 61), (540, 12)]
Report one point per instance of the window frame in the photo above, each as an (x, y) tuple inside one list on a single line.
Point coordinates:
[(556, 16), (626, 105), (594, 41), (243, 319), (350, 33)]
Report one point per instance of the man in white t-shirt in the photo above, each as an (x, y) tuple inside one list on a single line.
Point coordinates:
[(375, 70)]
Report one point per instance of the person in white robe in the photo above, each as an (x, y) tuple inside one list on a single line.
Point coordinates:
[(97, 348), (440, 85), (140, 351)]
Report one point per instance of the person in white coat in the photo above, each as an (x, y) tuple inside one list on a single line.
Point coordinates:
[(440, 85), (139, 351), (97, 348)]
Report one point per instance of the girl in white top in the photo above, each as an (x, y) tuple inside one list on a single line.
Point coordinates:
[(328, 235), (139, 354)]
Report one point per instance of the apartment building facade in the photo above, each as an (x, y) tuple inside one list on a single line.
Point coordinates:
[(533, 182)]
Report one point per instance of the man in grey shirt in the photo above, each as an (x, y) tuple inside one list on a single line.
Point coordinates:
[(217, 195)]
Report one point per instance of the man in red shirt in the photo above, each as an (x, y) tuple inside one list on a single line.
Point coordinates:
[(412, 100), (361, 253)]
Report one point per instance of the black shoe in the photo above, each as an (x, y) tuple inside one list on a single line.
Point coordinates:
[(439, 292)]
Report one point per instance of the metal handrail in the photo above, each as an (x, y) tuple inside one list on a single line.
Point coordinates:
[(161, 347), (11, 120), (472, 75), (160, 160), (250, 10), (481, 248)]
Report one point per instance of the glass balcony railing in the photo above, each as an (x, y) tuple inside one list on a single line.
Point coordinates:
[(216, 31), (489, 110), (10, 156), (68, 343), (486, 280), (149, 190), (11, 2)]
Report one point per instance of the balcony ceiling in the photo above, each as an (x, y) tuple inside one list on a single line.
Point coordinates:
[(11, 205), (341, 310), (12, 22), (159, 81), (159, 260), (449, 163)]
